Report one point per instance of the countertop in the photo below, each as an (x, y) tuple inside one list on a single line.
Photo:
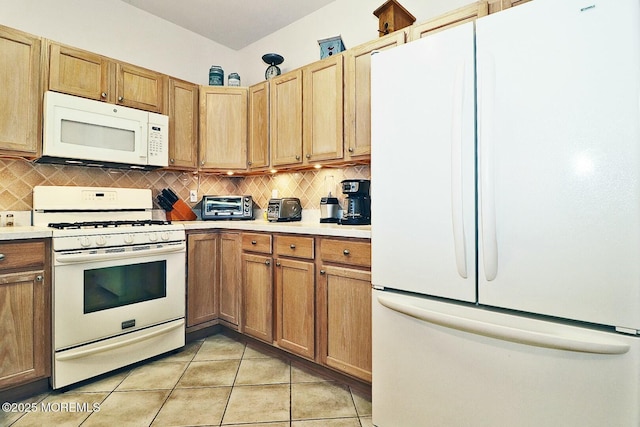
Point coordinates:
[(313, 228)]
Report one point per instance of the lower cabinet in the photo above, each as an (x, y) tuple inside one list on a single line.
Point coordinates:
[(202, 268), (257, 286), (229, 278), (25, 312)]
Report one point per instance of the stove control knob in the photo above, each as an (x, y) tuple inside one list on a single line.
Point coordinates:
[(85, 242), (164, 236), (101, 241), (128, 238), (153, 237)]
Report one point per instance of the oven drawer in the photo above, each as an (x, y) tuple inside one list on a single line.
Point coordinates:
[(255, 242), (350, 252), (23, 256), (294, 246)]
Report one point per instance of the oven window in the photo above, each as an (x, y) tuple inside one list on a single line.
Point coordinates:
[(111, 287)]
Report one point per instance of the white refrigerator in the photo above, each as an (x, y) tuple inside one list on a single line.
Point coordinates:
[(505, 173)]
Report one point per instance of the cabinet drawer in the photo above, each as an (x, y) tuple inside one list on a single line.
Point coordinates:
[(28, 255), (350, 252), (254, 242), (294, 246)]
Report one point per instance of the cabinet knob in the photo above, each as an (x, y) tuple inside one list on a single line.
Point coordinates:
[(323, 272), (297, 157), (249, 163), (278, 264), (267, 262), (1, 257), (346, 252), (351, 149), (121, 98), (172, 160), (39, 278), (253, 242), (104, 95), (202, 163), (292, 246), (308, 156)]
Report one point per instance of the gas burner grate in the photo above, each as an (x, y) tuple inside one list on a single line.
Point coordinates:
[(107, 224)]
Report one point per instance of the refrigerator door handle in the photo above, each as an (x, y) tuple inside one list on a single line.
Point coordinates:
[(486, 119), (559, 341), (456, 172)]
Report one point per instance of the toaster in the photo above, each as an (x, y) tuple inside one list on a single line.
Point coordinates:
[(285, 209)]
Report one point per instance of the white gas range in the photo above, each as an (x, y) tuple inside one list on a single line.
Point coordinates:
[(118, 279)]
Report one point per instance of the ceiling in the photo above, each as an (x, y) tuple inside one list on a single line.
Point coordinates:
[(234, 24)]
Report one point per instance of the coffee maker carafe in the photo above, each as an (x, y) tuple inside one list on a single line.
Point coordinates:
[(358, 210)]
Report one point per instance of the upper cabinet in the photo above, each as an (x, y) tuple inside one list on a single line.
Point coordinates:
[(357, 115), (20, 124), (77, 72), (286, 118), (183, 125), (459, 16), (498, 5), (258, 132), (323, 101), (223, 128)]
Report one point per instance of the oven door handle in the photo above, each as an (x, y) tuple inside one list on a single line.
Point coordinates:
[(74, 258), (76, 354)]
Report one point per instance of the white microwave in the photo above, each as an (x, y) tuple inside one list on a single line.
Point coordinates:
[(79, 131)]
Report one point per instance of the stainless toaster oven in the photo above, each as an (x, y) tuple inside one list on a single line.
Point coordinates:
[(226, 207)]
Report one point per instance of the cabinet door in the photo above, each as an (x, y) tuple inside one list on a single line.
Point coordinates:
[(258, 126), (230, 268), (467, 13), (498, 5), (345, 320), (286, 118), (223, 128), (81, 73), (357, 117), (323, 103), (24, 326), (183, 125), (257, 296), (295, 306), (141, 88), (202, 267), (20, 125)]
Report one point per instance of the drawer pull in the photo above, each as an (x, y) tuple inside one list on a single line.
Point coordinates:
[(346, 252), (39, 278), (1, 257), (278, 264), (292, 246), (253, 242), (267, 262), (323, 272)]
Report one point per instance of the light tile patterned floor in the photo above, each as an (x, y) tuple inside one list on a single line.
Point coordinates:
[(212, 382)]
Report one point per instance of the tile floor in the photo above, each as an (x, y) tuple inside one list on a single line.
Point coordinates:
[(212, 382)]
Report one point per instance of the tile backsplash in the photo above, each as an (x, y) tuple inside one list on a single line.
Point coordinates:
[(18, 177)]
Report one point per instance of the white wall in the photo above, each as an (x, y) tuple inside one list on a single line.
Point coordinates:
[(118, 30), (121, 31)]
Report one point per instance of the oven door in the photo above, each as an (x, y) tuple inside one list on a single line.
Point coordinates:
[(100, 294)]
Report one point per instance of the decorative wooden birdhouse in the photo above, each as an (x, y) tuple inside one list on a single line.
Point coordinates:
[(392, 17), (330, 46)]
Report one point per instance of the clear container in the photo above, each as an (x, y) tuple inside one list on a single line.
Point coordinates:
[(216, 76), (234, 79)]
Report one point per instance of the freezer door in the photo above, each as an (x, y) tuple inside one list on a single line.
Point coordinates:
[(438, 364), (422, 166), (559, 160)]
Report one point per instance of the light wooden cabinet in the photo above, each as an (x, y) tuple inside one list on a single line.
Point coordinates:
[(257, 286), (202, 269), (258, 152), (286, 119), (25, 312), (20, 118), (458, 16), (183, 125), (344, 306), (498, 5), (295, 294), (357, 116), (323, 106), (230, 278), (223, 128), (89, 75)]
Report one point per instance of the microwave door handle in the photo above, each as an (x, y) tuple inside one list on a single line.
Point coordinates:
[(143, 146)]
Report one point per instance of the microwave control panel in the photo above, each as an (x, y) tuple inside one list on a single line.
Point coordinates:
[(158, 138)]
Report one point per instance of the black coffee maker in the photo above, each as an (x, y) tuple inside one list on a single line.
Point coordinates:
[(358, 202)]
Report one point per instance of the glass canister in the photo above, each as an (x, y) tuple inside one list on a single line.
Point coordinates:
[(234, 79), (216, 76)]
